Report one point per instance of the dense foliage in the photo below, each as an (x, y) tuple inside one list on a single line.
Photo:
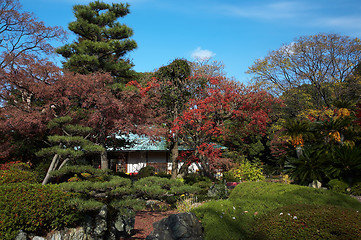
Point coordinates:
[(33, 208), (245, 171), (16, 172), (214, 114)]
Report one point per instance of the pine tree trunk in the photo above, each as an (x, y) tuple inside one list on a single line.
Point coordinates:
[(52, 167)]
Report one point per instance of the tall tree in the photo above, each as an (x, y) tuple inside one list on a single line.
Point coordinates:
[(21, 33), (174, 86), (102, 46), (102, 42), (322, 61), (23, 47)]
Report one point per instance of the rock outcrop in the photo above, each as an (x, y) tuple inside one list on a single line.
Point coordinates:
[(182, 226)]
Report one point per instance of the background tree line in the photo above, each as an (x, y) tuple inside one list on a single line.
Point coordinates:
[(300, 114)]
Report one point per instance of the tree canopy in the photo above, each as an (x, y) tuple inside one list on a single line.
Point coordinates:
[(322, 61), (102, 42)]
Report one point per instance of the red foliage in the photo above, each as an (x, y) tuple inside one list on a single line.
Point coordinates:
[(221, 101), (38, 92), (187, 157), (7, 166)]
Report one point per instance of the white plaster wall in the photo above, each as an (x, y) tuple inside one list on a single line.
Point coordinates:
[(136, 161)]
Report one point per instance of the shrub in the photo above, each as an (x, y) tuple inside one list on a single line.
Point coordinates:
[(309, 222), (192, 178), (164, 175), (16, 172), (155, 187), (356, 189), (146, 171), (33, 208), (204, 186), (187, 203), (337, 186), (218, 191), (245, 171), (165, 189)]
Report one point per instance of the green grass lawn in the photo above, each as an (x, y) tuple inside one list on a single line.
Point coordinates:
[(233, 218)]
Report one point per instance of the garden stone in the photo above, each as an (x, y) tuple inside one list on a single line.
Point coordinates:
[(101, 225), (38, 238), (21, 235), (123, 224), (315, 184), (183, 226)]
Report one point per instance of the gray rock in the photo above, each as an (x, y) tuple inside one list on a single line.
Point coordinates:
[(315, 184), (21, 236), (101, 225), (183, 226), (67, 234), (122, 225), (38, 238)]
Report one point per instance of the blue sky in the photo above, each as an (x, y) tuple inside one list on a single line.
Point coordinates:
[(236, 32)]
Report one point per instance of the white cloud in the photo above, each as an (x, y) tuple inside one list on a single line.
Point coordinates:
[(202, 53), (275, 10), (342, 21)]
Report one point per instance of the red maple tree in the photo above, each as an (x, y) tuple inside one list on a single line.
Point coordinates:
[(204, 123)]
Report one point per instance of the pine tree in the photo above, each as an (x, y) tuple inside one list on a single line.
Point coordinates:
[(69, 144), (102, 41), (101, 46)]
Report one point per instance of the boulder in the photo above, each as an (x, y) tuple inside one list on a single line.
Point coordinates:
[(101, 225), (315, 184), (182, 226), (21, 235), (122, 225)]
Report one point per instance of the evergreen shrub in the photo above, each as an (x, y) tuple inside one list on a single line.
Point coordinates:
[(337, 186), (146, 171), (356, 189), (245, 171), (33, 208), (158, 188), (192, 178), (15, 172), (309, 222), (204, 186)]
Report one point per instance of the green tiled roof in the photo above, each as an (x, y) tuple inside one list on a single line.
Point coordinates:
[(145, 143), (140, 143)]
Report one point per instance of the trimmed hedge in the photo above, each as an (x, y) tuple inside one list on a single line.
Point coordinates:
[(16, 172), (233, 218), (33, 208), (309, 222), (166, 189), (337, 186)]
